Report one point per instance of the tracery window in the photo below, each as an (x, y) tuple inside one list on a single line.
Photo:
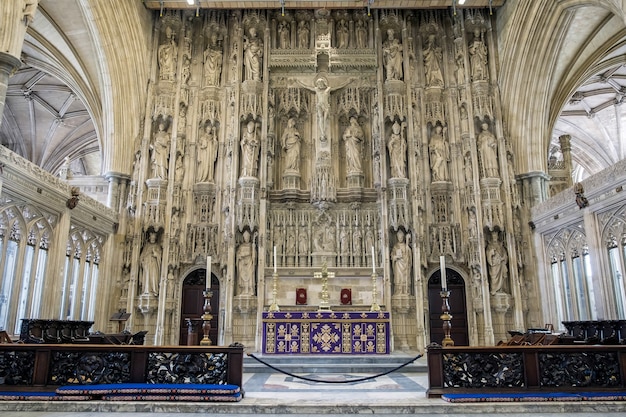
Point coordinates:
[(615, 241), (24, 237), (81, 276), (571, 275)]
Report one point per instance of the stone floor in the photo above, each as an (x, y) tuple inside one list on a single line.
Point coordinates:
[(395, 394)]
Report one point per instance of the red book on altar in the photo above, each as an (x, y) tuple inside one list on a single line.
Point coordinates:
[(300, 296), (346, 296)]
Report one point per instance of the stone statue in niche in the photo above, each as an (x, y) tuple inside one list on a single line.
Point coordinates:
[(478, 57), (290, 142), (344, 247), (207, 154), (329, 242), (369, 240), (136, 168), (233, 62), (303, 34), (464, 120), (439, 155), (472, 229), (250, 146), (278, 239), (357, 243), (290, 246), (488, 146), (397, 151), (159, 152), (432, 62), (253, 55), (460, 69), (401, 259), (467, 167), (175, 224), (361, 34), (150, 262), (343, 34), (353, 137), (322, 91), (497, 260), (303, 242), (179, 173), (168, 56), (284, 41), (213, 61), (181, 126), (185, 72), (392, 57), (246, 264), (377, 177)]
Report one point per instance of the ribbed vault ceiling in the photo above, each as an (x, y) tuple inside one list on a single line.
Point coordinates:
[(45, 122), (595, 118)]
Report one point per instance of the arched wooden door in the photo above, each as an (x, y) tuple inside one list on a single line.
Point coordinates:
[(192, 305), (456, 285)]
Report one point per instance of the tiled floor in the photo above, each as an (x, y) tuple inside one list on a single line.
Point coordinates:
[(391, 388)]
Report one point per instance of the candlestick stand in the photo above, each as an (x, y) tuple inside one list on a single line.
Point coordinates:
[(206, 318), (446, 317), (375, 306), (274, 306)]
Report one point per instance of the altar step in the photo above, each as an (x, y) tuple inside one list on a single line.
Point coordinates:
[(336, 364)]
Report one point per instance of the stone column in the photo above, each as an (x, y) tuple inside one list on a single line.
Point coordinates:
[(15, 16), (8, 64), (534, 187), (117, 189), (566, 150)]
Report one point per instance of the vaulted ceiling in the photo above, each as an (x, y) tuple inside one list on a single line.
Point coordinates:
[(595, 118), (54, 103)]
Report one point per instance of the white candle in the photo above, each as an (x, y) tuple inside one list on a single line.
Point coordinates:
[(373, 261), (208, 272), (442, 265), (274, 259)]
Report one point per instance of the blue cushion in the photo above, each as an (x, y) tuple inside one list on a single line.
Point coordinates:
[(511, 397), (146, 389)]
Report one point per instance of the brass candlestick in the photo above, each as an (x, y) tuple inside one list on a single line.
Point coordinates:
[(274, 306), (206, 318), (375, 306), (446, 317)]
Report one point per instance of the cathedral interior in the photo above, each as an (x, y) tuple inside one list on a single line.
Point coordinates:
[(155, 149)]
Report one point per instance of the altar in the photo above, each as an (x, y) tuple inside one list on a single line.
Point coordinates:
[(326, 332)]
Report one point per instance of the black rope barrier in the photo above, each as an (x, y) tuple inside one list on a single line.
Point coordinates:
[(349, 381)]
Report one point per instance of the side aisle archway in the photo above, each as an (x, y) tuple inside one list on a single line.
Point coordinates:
[(192, 305), (456, 285)]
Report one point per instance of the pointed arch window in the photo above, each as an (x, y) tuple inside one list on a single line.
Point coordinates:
[(571, 275), (81, 275), (616, 249), (24, 236)]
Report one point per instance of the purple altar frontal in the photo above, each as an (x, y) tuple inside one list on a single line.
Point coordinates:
[(326, 332)]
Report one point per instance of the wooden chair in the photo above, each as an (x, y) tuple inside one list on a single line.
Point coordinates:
[(4, 337)]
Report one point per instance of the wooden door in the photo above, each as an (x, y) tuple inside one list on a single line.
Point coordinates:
[(457, 301), (192, 305)]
